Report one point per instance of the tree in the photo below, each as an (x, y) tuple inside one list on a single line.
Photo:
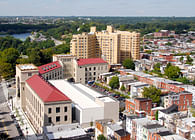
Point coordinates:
[(189, 60), (122, 88), (153, 93), (10, 55), (6, 70), (35, 57), (4, 136), (168, 44), (101, 137), (193, 82), (172, 72), (156, 115), (114, 82), (181, 59), (184, 80), (129, 64), (157, 68), (192, 110)]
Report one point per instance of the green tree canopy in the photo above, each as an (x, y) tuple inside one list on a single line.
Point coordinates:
[(129, 64), (189, 60), (172, 72), (6, 70), (181, 59), (122, 88), (101, 137), (156, 115), (157, 68), (184, 80), (114, 82), (10, 55), (153, 93)]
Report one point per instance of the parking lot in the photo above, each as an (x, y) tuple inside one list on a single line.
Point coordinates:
[(112, 95)]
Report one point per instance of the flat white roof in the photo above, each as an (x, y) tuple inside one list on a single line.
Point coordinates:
[(107, 99), (77, 95), (173, 137), (64, 131), (27, 66), (91, 92)]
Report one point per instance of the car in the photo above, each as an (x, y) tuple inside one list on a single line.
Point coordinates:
[(90, 130)]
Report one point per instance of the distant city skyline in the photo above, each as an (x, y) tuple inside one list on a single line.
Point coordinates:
[(178, 8)]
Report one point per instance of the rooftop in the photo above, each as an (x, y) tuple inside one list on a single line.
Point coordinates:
[(63, 131), (122, 132), (152, 126), (89, 61), (49, 67), (173, 137), (172, 109), (143, 99), (46, 91), (165, 133), (78, 95), (27, 67), (114, 127)]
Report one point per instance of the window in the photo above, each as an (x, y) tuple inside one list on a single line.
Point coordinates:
[(57, 109), (94, 68), (49, 110), (65, 118), (94, 73), (29, 74), (90, 68), (57, 118), (65, 109), (49, 120)]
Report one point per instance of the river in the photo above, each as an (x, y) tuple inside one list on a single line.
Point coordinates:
[(19, 36)]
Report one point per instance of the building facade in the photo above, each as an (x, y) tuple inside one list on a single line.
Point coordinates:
[(183, 100), (45, 105), (139, 106), (23, 72), (89, 69), (52, 71), (111, 45)]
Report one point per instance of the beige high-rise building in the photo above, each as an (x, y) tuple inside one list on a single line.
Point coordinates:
[(112, 45), (82, 45)]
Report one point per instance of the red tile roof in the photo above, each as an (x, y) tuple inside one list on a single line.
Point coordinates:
[(46, 91), (90, 61), (49, 67)]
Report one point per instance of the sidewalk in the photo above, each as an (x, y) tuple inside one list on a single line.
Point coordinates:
[(23, 121)]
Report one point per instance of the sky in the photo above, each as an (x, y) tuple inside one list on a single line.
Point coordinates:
[(97, 8)]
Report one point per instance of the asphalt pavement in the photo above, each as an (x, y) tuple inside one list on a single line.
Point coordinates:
[(7, 124)]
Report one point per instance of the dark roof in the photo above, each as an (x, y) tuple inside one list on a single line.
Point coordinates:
[(83, 137), (151, 126), (134, 116), (165, 133), (173, 108), (142, 99), (122, 132), (162, 118)]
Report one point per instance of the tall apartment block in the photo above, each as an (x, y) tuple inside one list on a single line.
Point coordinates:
[(112, 45)]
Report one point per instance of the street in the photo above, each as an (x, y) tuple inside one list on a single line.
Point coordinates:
[(6, 122)]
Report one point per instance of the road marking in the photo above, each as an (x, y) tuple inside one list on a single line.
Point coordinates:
[(5, 128)]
